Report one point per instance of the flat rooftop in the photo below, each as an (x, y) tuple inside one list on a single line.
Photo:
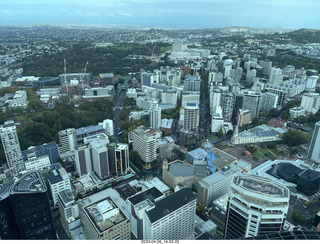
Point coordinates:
[(97, 219), (222, 158), (260, 185), (170, 204), (151, 194)]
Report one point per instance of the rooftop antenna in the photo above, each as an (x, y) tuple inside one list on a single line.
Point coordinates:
[(82, 77)]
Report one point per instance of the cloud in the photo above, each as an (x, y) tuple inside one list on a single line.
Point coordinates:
[(78, 12)]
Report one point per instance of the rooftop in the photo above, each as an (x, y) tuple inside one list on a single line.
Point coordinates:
[(170, 204), (225, 172), (88, 129), (151, 194), (179, 169), (221, 158), (66, 196), (57, 173), (260, 185), (30, 182), (93, 211)]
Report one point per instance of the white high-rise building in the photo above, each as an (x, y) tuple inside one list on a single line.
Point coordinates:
[(268, 101), (193, 97), (311, 102), (59, 180), (311, 83), (11, 146), (144, 142), (275, 76), (189, 116), (68, 140), (218, 184), (172, 218), (250, 75), (314, 149), (257, 206), (99, 153), (107, 125), (155, 116)]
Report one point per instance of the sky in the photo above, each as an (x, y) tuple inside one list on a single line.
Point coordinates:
[(165, 13)]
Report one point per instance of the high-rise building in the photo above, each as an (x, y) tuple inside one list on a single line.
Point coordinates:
[(31, 205), (311, 102), (11, 146), (268, 101), (155, 116), (192, 83), (59, 180), (138, 204), (217, 184), (243, 117), (256, 206), (68, 140), (172, 218), (69, 210), (192, 97), (314, 149), (8, 223), (121, 158), (251, 101), (144, 142), (189, 116), (99, 154), (276, 76), (266, 66), (227, 104), (104, 220)]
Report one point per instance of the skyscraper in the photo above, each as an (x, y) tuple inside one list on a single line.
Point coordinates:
[(155, 116), (11, 146), (314, 149), (30, 202), (189, 116), (257, 205), (68, 140)]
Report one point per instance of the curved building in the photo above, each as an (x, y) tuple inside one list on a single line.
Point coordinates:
[(256, 206)]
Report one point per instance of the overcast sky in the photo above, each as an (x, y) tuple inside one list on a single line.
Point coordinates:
[(164, 13)]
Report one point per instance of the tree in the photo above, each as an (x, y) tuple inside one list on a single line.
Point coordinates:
[(298, 217), (135, 157)]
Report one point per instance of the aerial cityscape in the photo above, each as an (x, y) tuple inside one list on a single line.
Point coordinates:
[(159, 120)]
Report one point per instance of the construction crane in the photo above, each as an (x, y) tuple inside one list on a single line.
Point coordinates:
[(82, 77), (153, 49), (65, 73)]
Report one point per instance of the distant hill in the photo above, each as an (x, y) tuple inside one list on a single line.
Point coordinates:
[(304, 36)]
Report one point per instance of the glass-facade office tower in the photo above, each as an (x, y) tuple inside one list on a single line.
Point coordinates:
[(30, 203), (314, 149)]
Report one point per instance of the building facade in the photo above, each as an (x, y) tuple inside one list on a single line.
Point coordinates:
[(256, 206), (314, 149)]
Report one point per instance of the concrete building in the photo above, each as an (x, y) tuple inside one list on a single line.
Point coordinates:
[(193, 97), (90, 130), (67, 140), (311, 83), (145, 103), (251, 101), (314, 149), (166, 125), (144, 142), (132, 93), (268, 101), (99, 93), (99, 155), (311, 102), (107, 125), (107, 79), (243, 117), (37, 163), (139, 204), (155, 116), (297, 112), (104, 220), (218, 184), (59, 180), (169, 97), (189, 116), (69, 211), (20, 100), (177, 173), (172, 218), (275, 76), (11, 147), (260, 203)]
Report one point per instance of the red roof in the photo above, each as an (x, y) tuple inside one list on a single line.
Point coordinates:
[(247, 152)]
